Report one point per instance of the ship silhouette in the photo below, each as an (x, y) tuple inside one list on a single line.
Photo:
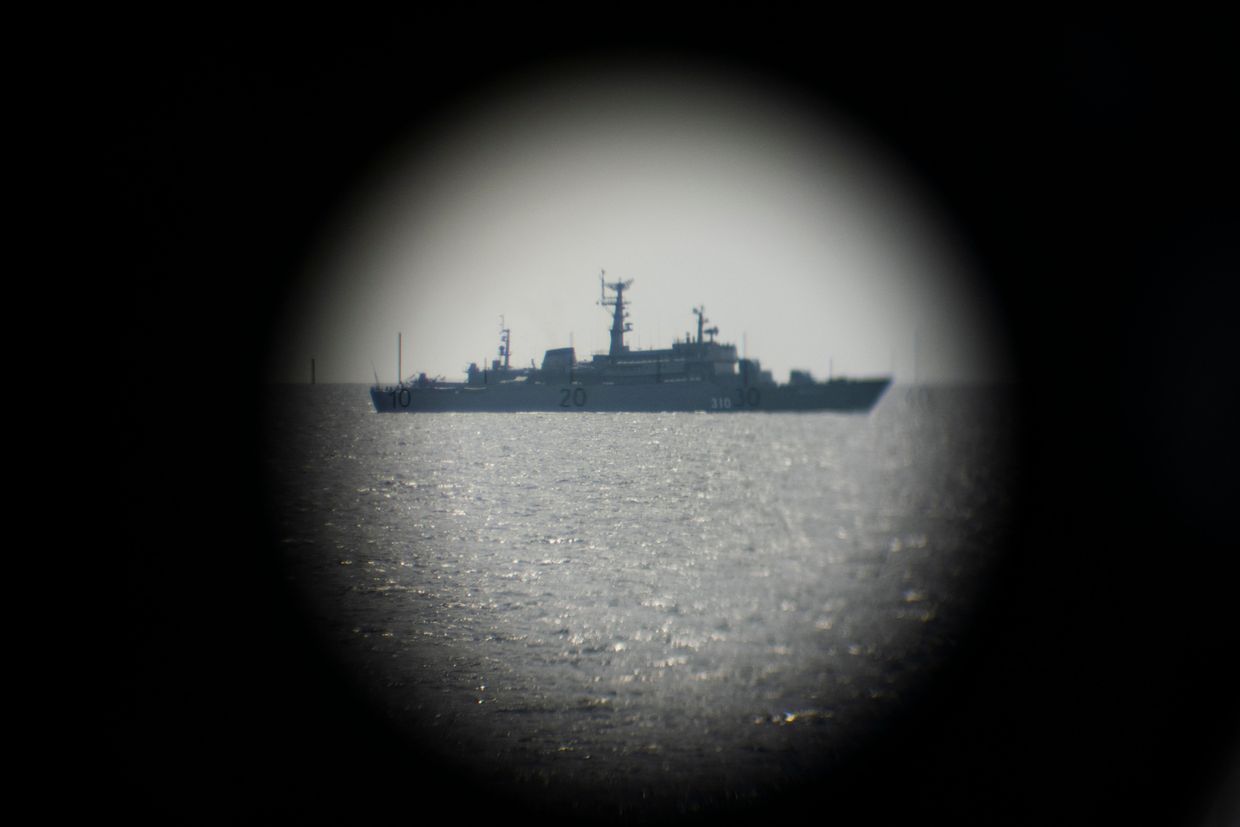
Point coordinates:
[(697, 373)]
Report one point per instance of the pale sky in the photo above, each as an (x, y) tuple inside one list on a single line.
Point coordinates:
[(809, 247)]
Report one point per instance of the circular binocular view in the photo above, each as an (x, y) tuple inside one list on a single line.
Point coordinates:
[(640, 444)]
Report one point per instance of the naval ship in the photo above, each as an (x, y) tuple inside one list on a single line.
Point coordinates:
[(695, 374)]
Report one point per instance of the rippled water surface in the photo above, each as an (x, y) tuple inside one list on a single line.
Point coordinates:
[(640, 610)]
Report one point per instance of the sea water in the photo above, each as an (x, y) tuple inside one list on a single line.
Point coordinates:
[(659, 611)]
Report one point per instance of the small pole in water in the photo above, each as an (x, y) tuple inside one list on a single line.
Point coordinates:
[(400, 373)]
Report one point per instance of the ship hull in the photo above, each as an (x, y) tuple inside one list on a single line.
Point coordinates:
[(843, 396)]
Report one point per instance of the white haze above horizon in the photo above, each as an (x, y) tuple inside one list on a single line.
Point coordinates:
[(808, 248)]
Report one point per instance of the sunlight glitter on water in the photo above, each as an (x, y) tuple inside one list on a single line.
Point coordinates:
[(705, 574)]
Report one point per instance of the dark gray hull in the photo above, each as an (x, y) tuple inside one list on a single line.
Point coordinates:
[(841, 395)]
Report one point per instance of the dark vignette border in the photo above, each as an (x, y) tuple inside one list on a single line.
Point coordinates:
[(1092, 171)]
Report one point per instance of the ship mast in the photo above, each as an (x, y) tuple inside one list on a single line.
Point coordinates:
[(505, 335), (700, 312), (618, 324)]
